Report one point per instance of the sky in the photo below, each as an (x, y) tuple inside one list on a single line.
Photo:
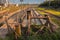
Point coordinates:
[(26, 1)]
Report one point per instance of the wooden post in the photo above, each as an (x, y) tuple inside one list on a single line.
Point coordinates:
[(18, 25), (18, 31), (48, 23), (28, 18), (8, 27)]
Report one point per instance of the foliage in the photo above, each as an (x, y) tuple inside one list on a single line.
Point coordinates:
[(53, 4)]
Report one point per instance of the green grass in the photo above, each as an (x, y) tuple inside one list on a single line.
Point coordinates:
[(45, 36), (55, 21)]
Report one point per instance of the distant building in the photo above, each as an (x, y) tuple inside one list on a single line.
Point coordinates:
[(3, 2)]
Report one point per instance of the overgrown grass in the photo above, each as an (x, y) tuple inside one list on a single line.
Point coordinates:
[(44, 36), (56, 21)]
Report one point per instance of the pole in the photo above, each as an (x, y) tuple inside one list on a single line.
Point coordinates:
[(21, 3), (49, 3), (6, 20), (28, 18)]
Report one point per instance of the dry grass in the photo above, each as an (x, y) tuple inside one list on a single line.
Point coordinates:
[(57, 13)]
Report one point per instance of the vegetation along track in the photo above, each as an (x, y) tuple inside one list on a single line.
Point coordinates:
[(54, 18), (51, 14)]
